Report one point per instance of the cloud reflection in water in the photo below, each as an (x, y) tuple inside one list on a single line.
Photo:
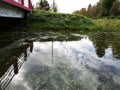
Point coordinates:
[(71, 65)]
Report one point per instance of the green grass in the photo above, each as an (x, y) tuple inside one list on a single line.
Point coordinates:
[(58, 21)]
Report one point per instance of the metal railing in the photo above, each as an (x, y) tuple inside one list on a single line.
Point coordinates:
[(23, 4), (26, 3), (19, 1)]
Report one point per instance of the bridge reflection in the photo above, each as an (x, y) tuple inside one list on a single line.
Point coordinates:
[(11, 62)]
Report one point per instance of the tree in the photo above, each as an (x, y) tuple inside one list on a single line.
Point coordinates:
[(107, 4), (37, 7), (44, 5), (54, 6), (92, 11), (89, 13), (99, 9), (115, 9), (102, 8), (83, 11)]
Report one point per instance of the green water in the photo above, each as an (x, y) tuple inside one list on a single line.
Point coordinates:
[(59, 61)]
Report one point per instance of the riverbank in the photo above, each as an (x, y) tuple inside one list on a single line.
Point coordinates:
[(58, 21)]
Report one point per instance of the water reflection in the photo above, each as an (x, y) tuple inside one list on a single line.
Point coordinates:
[(81, 63), (73, 65), (11, 59), (103, 41)]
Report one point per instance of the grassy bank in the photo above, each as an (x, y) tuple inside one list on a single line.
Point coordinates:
[(57, 21), (110, 25)]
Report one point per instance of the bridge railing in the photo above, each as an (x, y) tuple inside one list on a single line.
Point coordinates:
[(25, 4)]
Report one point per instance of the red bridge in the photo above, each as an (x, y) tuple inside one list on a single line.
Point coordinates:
[(15, 8)]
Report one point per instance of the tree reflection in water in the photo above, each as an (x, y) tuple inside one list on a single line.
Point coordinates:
[(116, 47), (104, 40)]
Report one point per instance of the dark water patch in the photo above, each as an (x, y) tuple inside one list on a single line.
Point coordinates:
[(11, 24)]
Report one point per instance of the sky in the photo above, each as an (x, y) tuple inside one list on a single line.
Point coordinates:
[(68, 6)]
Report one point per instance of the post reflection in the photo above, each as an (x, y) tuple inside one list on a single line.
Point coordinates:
[(11, 62), (52, 49), (15, 65)]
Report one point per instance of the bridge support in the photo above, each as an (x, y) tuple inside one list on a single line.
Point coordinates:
[(7, 24), (13, 13)]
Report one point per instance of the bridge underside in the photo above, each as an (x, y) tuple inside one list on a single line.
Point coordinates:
[(7, 10)]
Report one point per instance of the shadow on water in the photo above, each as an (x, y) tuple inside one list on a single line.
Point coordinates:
[(56, 61)]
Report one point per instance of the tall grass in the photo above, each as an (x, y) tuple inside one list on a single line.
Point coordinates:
[(108, 24)]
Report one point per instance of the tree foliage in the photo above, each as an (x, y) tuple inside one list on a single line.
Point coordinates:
[(115, 9), (107, 4), (43, 5), (83, 11), (102, 9)]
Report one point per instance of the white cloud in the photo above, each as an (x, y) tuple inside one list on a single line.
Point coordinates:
[(68, 6)]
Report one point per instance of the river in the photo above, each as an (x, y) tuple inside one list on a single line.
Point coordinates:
[(59, 61)]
